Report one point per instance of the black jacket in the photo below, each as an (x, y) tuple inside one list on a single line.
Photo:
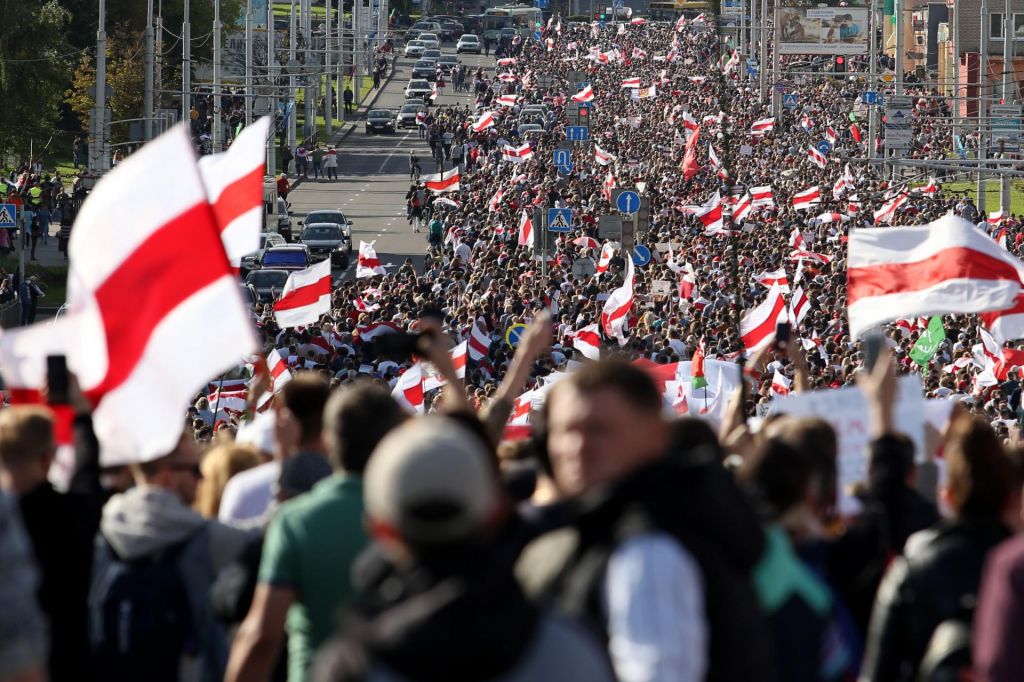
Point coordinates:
[(936, 580), (699, 505)]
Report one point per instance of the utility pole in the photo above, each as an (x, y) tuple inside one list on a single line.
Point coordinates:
[(98, 159), (873, 78), (357, 50), (955, 23), (328, 93), (186, 68), (216, 127), (1007, 97), (249, 94), (898, 14), (982, 109), (754, 30), (743, 37), (272, 79), (158, 57), (147, 95), (308, 70), (762, 72), (292, 63), (776, 69)]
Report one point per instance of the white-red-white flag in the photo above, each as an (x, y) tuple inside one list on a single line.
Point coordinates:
[(762, 196), (234, 186), (520, 154), (432, 379), (495, 201), (506, 100), (485, 121), (742, 208), (279, 372), (584, 95), (408, 390), (757, 328), (615, 313), (602, 157), (762, 127), (770, 279), (588, 342), (446, 181), (605, 259), (799, 305), (710, 215), (796, 239), (526, 235), (780, 384), (305, 297), (816, 157), (479, 341), (367, 263), (947, 266), (888, 210), (631, 82), (807, 198)]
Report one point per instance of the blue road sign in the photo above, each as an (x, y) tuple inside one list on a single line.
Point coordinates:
[(628, 202), (641, 255), (562, 157), (8, 215), (577, 133), (618, 4), (559, 219), (869, 97), (583, 105), (602, 25), (565, 169), (537, 36), (824, 147), (790, 100), (542, 4), (514, 333)]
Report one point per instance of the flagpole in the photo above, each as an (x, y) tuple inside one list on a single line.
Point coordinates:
[(216, 403)]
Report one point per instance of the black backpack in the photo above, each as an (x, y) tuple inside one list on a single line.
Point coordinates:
[(141, 622)]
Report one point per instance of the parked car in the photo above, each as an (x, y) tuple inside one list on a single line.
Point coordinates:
[(419, 88), (424, 69), (529, 129), (451, 30), (414, 48), (380, 121), (327, 240), (468, 42), (430, 40), (407, 115), (431, 55), (248, 293), (267, 283), (289, 257), (267, 240), (334, 217)]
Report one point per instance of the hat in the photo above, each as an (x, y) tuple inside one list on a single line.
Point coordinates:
[(431, 481)]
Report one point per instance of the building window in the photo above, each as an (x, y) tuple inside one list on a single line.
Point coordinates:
[(1018, 26), (995, 23)]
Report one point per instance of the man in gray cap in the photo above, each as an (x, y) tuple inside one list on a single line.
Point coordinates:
[(451, 609)]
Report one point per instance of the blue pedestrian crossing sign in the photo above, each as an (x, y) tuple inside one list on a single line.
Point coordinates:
[(790, 100), (8, 215), (577, 133), (559, 219), (641, 255), (628, 202)]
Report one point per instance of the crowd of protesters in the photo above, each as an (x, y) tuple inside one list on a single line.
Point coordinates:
[(336, 536)]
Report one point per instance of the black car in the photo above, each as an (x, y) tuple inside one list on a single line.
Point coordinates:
[(267, 283), (424, 69), (380, 121), (327, 240), (448, 62)]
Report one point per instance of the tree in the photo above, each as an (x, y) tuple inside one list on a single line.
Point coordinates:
[(35, 64), (125, 76)]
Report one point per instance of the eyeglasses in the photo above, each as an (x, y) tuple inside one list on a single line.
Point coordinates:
[(188, 468)]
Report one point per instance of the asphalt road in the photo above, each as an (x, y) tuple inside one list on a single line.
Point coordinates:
[(373, 176)]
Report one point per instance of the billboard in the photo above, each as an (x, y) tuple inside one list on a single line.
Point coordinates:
[(822, 30)]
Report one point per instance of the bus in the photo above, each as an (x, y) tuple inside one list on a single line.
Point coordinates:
[(524, 18), (667, 10)]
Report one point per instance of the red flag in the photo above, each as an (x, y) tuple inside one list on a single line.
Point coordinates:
[(690, 166), (855, 131)]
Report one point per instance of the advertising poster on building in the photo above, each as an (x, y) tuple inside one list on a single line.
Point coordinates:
[(822, 30)]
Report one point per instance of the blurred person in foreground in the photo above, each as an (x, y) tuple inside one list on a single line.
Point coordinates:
[(219, 466), (155, 560), (648, 565), (312, 543), (61, 529), (921, 624), (22, 625), (451, 610)]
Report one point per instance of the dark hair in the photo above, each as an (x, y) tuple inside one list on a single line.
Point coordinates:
[(305, 396), (356, 418), (778, 476), (981, 474), (690, 436), (629, 381), (816, 438)]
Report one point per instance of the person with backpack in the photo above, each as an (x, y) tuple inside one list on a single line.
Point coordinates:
[(155, 560), (415, 199)]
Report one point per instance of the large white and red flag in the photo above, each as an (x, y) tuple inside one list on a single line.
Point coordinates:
[(762, 196), (816, 157), (234, 186), (279, 372), (584, 95), (517, 155), (757, 328), (799, 306), (710, 215), (947, 266), (526, 236), (615, 314), (605, 259), (408, 390), (305, 297), (742, 209), (485, 121), (153, 306), (588, 342), (602, 157), (762, 126), (769, 279), (446, 181), (807, 198), (1006, 325), (479, 342), (888, 210), (367, 263), (432, 379)]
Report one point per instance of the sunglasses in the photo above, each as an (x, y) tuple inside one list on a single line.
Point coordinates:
[(189, 468)]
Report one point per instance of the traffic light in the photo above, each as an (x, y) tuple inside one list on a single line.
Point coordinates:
[(839, 66)]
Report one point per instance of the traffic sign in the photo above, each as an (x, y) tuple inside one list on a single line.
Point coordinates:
[(559, 219), (824, 147), (8, 215), (514, 333), (898, 116), (562, 158), (790, 100), (641, 255), (577, 133), (537, 36), (628, 202), (869, 97)]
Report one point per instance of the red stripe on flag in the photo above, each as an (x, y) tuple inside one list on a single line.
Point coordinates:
[(240, 196), (306, 295), (179, 259), (952, 263)]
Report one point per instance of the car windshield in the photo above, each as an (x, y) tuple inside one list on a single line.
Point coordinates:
[(326, 217), (423, 64), (321, 232), (469, 38), (288, 257), (411, 108), (419, 85), (379, 113), (267, 278)]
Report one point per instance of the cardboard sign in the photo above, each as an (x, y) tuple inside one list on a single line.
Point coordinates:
[(661, 289), (847, 411)]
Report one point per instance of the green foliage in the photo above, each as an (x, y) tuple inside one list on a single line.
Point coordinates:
[(125, 76), (35, 65)]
